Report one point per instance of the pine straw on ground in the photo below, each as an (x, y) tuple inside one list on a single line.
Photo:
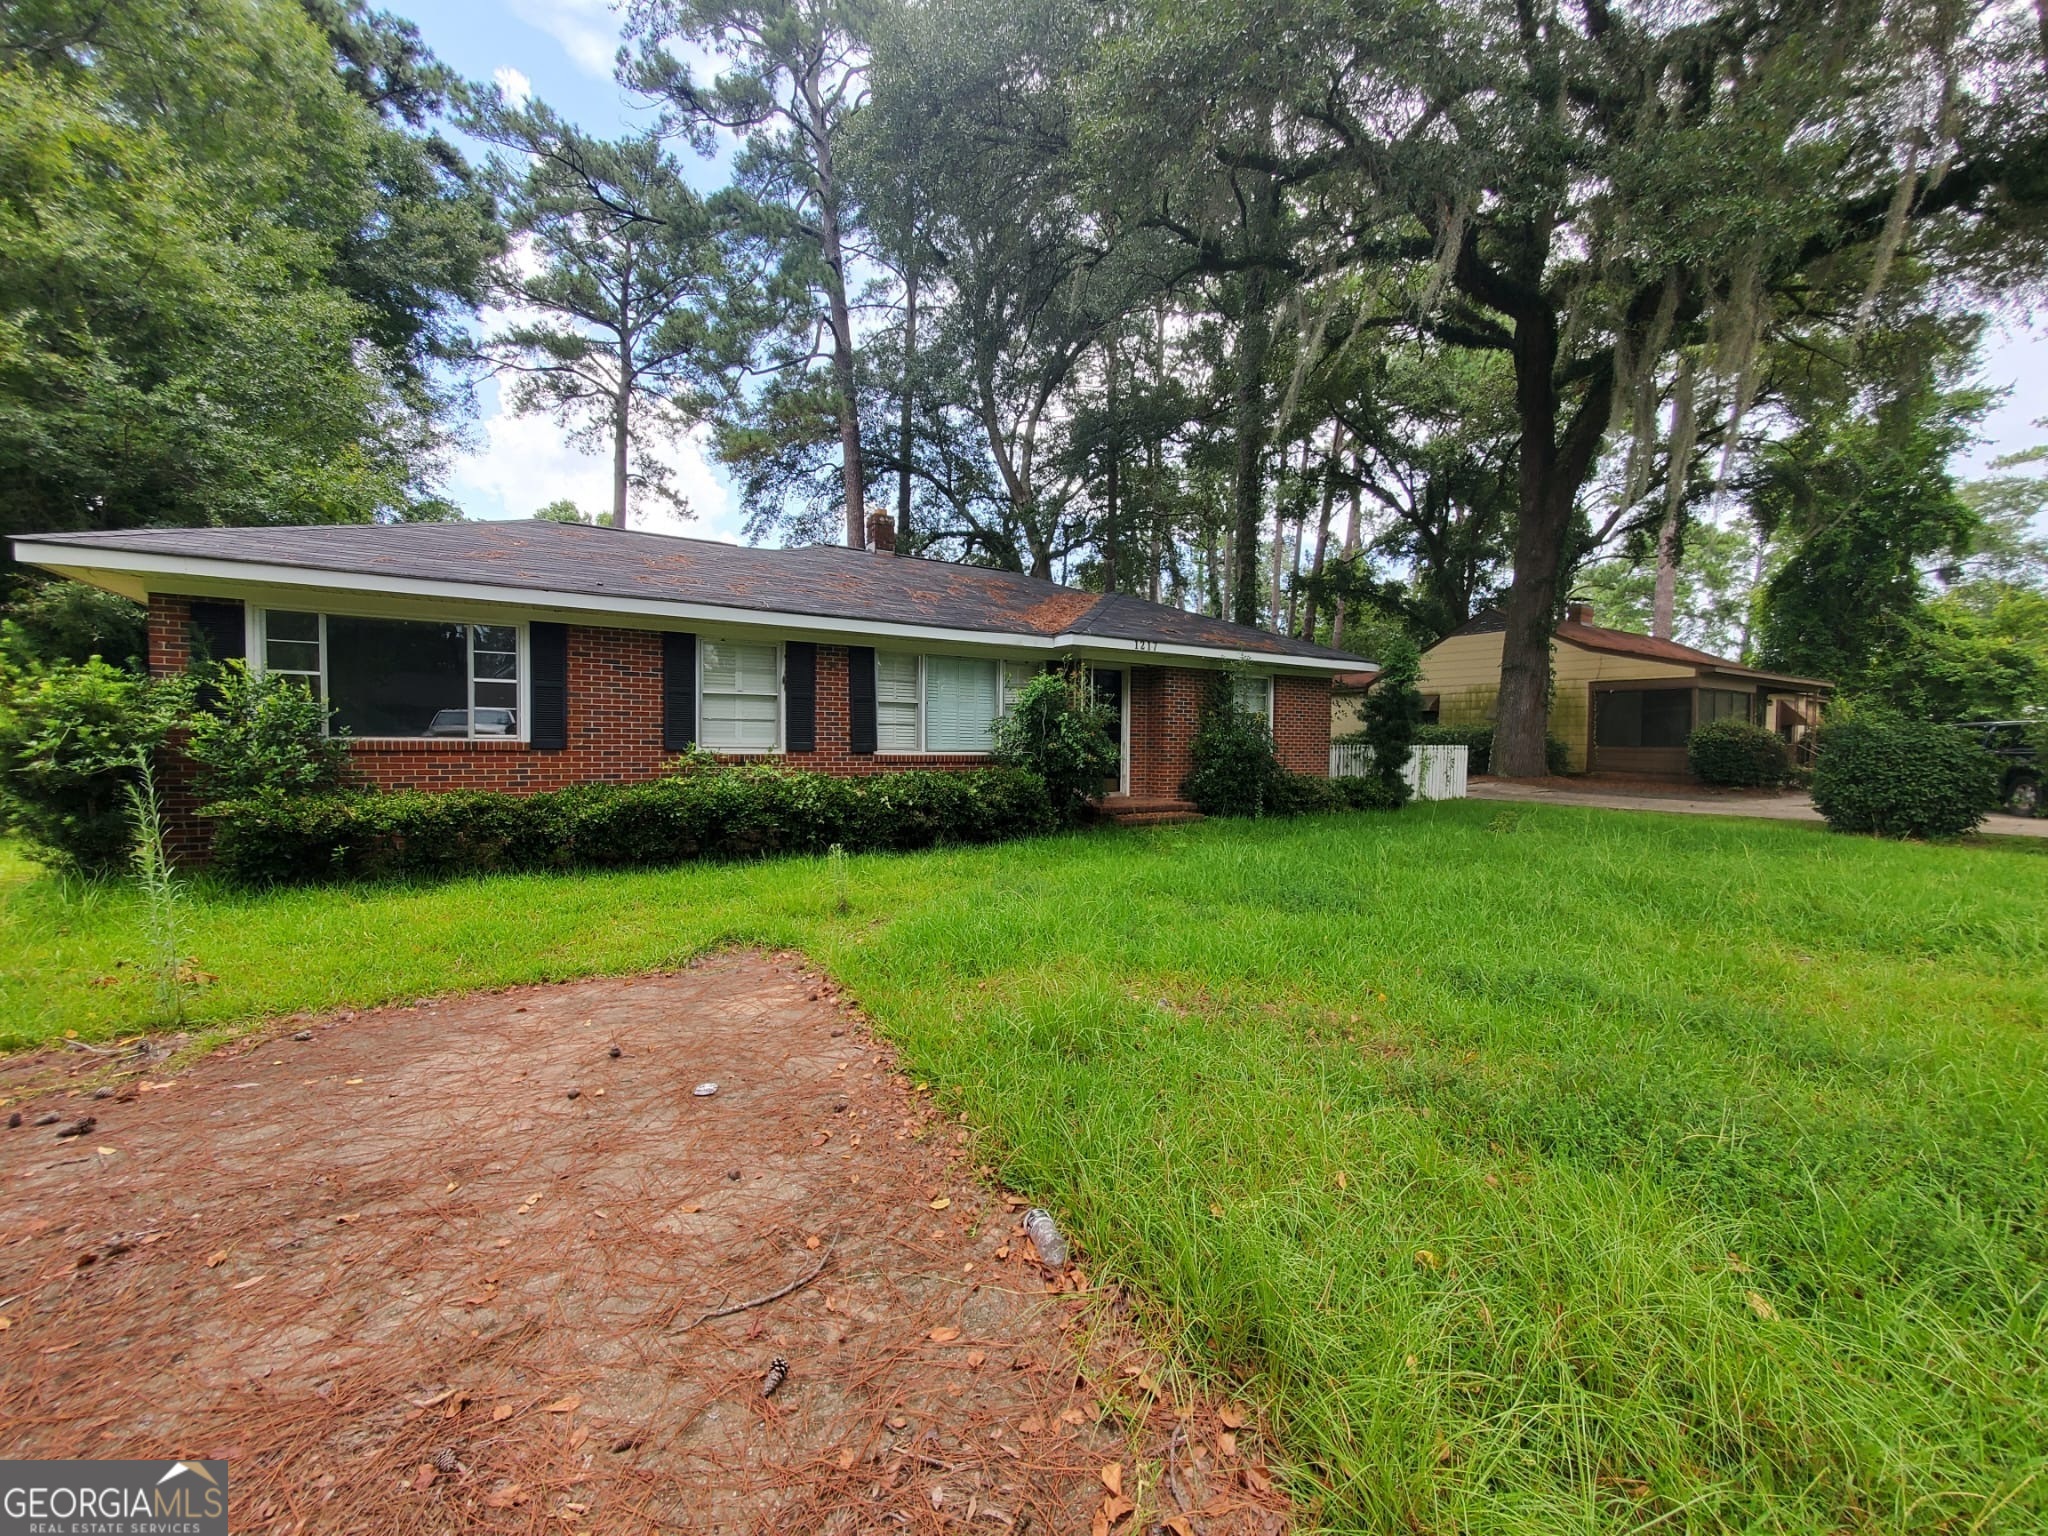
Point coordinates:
[(448, 1268)]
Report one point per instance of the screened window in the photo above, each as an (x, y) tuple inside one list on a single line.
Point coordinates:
[(739, 709), (1724, 704), (1254, 695), (899, 726), (401, 677), (1645, 717), (938, 703), (962, 700)]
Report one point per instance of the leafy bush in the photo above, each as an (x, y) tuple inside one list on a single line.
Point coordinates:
[(63, 623), (1901, 778), (70, 737), (1393, 716), (1738, 754), (1305, 794), (1056, 731), (1479, 738), (727, 813), (262, 735), (1236, 771)]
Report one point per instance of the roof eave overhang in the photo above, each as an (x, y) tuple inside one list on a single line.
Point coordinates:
[(130, 573)]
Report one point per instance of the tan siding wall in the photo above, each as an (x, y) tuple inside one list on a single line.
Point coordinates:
[(1464, 673)]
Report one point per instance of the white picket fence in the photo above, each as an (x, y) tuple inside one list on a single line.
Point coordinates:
[(1433, 773)]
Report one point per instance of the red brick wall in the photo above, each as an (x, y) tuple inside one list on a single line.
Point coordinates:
[(1301, 724), (615, 724), (1165, 703)]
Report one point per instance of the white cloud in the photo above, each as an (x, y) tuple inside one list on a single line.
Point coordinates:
[(518, 90), (525, 462), (588, 30)]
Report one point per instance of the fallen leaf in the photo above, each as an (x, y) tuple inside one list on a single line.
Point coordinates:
[(1003, 1252), (441, 1396), (1216, 1210), (943, 1335), (6, 1322), (1231, 1415), (1072, 1416), (502, 1412), (567, 1404), (452, 1187), (1113, 1477), (1343, 1179), (1147, 1384), (1257, 1481), (348, 1219), (975, 1357), (505, 1497), (216, 1259), (1099, 1526), (1761, 1307), (1115, 1507), (1031, 1426), (578, 1437), (847, 1458), (423, 1477), (691, 1210), (811, 1242), (1427, 1259), (455, 1406), (243, 1285), (1226, 1443), (940, 1204), (1180, 1525)]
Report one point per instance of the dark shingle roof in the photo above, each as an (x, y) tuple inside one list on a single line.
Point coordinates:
[(822, 581)]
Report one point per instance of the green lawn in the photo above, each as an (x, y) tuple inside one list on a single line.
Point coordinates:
[(1543, 1170)]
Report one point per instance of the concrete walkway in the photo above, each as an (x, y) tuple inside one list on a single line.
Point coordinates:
[(1791, 805)]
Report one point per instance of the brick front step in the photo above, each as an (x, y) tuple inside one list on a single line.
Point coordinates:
[(1147, 810)]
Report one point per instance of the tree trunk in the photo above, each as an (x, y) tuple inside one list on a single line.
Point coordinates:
[(1111, 552), (852, 477), (1350, 548), (1550, 474), (622, 421), (904, 438), (1664, 601), (1308, 618), (1248, 508)]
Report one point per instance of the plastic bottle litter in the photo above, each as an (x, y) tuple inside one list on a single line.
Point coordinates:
[(704, 1090), (1045, 1236)]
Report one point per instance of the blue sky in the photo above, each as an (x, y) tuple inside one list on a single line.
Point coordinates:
[(562, 50)]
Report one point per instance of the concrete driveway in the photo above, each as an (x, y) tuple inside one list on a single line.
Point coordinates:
[(1788, 805)]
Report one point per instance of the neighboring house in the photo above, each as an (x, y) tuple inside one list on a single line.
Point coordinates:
[(1620, 702), (526, 656)]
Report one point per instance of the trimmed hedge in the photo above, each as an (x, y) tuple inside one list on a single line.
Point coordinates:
[(727, 813), (1737, 754), (1479, 739), (1304, 794), (1902, 778)]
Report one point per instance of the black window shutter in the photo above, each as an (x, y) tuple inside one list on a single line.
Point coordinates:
[(800, 696), (678, 692), (860, 698), (548, 649), (219, 629)]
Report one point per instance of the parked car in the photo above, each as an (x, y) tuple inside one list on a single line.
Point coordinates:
[(2019, 760)]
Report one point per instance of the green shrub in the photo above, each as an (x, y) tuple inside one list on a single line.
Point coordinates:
[(1056, 731), (1393, 716), (1737, 754), (63, 623), (70, 736), (1306, 794), (1901, 778), (1236, 772), (1479, 739), (727, 813), (254, 736)]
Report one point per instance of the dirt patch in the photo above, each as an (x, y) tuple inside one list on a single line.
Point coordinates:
[(448, 1267)]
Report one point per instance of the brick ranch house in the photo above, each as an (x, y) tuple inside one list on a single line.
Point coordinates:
[(527, 656)]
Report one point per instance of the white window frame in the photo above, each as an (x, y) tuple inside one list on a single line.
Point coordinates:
[(1003, 699), (257, 632), (1257, 677), (781, 697)]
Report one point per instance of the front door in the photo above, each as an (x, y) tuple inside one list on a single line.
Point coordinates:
[(1106, 687)]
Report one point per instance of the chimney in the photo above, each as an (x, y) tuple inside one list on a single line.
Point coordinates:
[(1578, 613), (881, 532)]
